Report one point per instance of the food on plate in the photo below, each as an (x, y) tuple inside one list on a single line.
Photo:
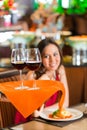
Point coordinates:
[(60, 114)]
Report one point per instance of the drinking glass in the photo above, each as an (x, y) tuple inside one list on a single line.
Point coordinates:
[(33, 62), (18, 61)]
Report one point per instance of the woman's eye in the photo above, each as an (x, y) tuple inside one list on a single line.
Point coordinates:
[(46, 56), (55, 54)]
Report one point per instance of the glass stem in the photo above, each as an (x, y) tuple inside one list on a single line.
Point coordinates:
[(21, 79), (34, 82)]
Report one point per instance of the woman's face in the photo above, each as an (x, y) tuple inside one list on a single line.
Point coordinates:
[(51, 57)]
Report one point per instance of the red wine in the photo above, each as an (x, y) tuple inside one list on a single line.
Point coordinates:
[(19, 65), (33, 65)]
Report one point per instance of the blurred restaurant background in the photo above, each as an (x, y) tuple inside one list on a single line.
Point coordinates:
[(23, 23)]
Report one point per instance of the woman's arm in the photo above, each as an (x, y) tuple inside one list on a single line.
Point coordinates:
[(63, 79)]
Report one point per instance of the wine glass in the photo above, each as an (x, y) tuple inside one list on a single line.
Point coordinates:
[(33, 62), (18, 61)]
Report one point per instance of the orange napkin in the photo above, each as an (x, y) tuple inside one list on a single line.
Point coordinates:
[(26, 101)]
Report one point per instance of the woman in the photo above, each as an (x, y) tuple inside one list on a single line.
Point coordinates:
[(51, 68)]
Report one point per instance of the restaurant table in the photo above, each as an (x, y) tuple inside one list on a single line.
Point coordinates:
[(80, 124)]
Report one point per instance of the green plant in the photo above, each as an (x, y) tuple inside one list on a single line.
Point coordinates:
[(75, 7)]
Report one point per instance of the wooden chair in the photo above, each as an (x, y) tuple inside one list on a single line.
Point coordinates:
[(7, 113)]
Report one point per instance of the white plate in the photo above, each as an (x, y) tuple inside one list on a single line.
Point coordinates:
[(76, 114)]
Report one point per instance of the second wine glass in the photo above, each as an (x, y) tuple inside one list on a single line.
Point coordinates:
[(18, 61), (33, 62)]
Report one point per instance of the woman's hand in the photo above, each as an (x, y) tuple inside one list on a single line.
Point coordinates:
[(30, 75), (61, 70), (37, 112)]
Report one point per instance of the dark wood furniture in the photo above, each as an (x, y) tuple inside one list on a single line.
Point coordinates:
[(76, 77)]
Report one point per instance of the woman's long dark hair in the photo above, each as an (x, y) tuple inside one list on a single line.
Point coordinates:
[(41, 45)]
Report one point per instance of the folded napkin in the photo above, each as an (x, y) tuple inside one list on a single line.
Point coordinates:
[(26, 101)]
